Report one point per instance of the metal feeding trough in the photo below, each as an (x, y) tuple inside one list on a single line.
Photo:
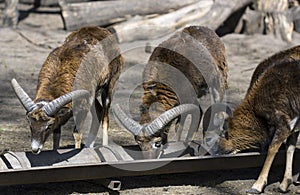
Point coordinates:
[(104, 162), (116, 161)]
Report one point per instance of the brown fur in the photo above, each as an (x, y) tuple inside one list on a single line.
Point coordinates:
[(289, 54), (88, 59), (264, 119), (195, 41), (57, 74), (252, 114)]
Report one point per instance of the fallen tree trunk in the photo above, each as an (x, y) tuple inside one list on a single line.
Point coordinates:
[(104, 13), (220, 11), (48, 2), (142, 28), (206, 13)]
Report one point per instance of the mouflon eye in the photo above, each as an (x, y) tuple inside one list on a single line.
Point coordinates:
[(158, 144)]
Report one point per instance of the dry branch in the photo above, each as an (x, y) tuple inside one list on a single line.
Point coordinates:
[(206, 12), (103, 13)]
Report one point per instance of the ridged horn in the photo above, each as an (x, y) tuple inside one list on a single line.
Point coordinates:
[(131, 125), (161, 121), (25, 100), (55, 105), (208, 122)]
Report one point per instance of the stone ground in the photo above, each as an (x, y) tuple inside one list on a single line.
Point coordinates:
[(22, 53)]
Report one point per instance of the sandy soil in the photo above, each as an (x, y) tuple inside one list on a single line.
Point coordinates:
[(24, 50)]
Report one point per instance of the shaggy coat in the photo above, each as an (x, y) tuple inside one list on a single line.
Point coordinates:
[(181, 69), (251, 128), (90, 60), (269, 114)]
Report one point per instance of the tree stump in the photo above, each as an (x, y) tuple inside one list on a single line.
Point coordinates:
[(270, 17), (10, 14)]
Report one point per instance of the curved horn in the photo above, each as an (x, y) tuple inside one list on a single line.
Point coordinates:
[(52, 107), (168, 116), (126, 121), (25, 100), (209, 120)]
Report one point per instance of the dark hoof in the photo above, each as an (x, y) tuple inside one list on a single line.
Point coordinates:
[(253, 191), (297, 183), (282, 191)]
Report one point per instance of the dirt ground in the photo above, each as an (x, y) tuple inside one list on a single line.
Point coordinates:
[(24, 50)]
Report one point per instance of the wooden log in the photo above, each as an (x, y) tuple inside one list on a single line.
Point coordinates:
[(103, 13), (295, 11), (271, 5), (206, 12), (10, 14), (280, 24), (49, 2), (142, 28), (220, 11), (251, 22)]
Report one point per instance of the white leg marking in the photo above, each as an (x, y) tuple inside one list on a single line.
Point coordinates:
[(292, 123), (105, 131)]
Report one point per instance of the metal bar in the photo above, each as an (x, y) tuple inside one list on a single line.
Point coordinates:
[(102, 170)]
